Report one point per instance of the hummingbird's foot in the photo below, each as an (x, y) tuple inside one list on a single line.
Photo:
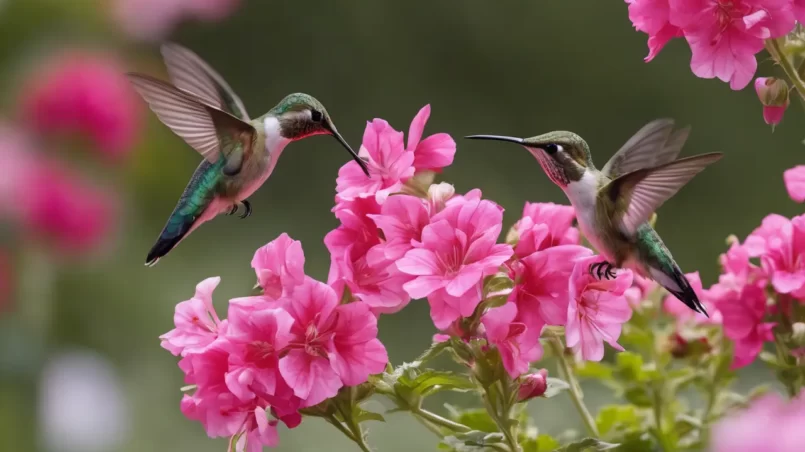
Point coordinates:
[(603, 270), (248, 207)]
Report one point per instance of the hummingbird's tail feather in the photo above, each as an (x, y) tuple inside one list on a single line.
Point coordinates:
[(677, 284)]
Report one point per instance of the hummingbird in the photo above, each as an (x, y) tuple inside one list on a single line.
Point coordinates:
[(239, 153), (614, 205)]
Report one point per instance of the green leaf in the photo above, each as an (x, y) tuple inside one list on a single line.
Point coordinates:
[(431, 381), (476, 419), (542, 443), (435, 350), (685, 424), (617, 417), (630, 367), (555, 386), (588, 444), (638, 396), (361, 415), (472, 441), (496, 301), (594, 369), (496, 283)]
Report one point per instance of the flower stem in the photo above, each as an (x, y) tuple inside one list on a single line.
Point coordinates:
[(501, 412), (356, 434), (434, 418), (337, 424), (566, 372), (663, 440), (779, 56)]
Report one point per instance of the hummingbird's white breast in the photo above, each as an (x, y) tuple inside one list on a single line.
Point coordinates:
[(261, 167), (582, 195)]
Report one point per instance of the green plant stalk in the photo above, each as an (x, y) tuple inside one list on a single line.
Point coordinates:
[(663, 440), (354, 428), (779, 56), (501, 419), (337, 424), (566, 372), (440, 421)]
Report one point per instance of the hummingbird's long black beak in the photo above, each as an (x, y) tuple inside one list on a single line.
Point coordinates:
[(348, 148), (496, 138)]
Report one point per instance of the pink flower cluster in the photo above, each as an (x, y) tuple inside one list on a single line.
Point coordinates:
[(155, 19), (403, 238), (724, 35), (290, 348), (769, 423)]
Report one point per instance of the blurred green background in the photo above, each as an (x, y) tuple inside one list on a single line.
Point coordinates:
[(514, 68)]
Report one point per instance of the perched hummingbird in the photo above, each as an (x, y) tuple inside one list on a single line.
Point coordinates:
[(239, 153), (613, 206)]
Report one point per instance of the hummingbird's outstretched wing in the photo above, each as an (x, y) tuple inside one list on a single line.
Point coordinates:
[(653, 145), (639, 193), (190, 73), (208, 130)]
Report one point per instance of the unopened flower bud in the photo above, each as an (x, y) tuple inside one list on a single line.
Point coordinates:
[(532, 385), (438, 194), (684, 348), (513, 236), (773, 94), (798, 333)]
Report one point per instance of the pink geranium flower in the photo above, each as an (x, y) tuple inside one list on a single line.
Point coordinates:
[(434, 152), (255, 340), (402, 219), (743, 313), (446, 309), (196, 322), (770, 423), (652, 18), (780, 244), (88, 94), (330, 345), (390, 165), (279, 265), (154, 19), (542, 292), (725, 36), (544, 225), (517, 348), (597, 310), (458, 250), (795, 182), (676, 308)]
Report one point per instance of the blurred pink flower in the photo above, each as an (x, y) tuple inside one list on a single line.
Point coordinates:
[(533, 385), (255, 340), (597, 310), (641, 288), (770, 423), (434, 152), (780, 244), (458, 250), (724, 36), (795, 182), (196, 322), (517, 349), (390, 165), (652, 18), (330, 345), (279, 265), (676, 308), (57, 206), (88, 94), (743, 313), (542, 284), (153, 20), (544, 225), (799, 11)]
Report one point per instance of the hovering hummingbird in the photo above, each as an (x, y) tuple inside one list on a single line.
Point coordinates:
[(239, 153), (613, 206)]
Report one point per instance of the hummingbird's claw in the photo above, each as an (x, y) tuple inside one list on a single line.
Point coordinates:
[(233, 210), (603, 270), (248, 207)]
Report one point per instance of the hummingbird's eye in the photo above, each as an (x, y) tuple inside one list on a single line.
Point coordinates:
[(552, 148), (315, 115)]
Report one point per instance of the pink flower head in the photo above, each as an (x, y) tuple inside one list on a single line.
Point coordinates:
[(434, 152), (542, 290), (743, 314), (330, 345), (795, 182), (446, 309), (256, 339), (280, 265), (63, 209), (652, 18), (533, 385), (154, 19), (724, 36), (597, 310), (517, 349), (85, 93), (676, 308), (780, 244), (770, 423), (195, 320), (390, 165), (402, 219), (545, 225), (458, 250)]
